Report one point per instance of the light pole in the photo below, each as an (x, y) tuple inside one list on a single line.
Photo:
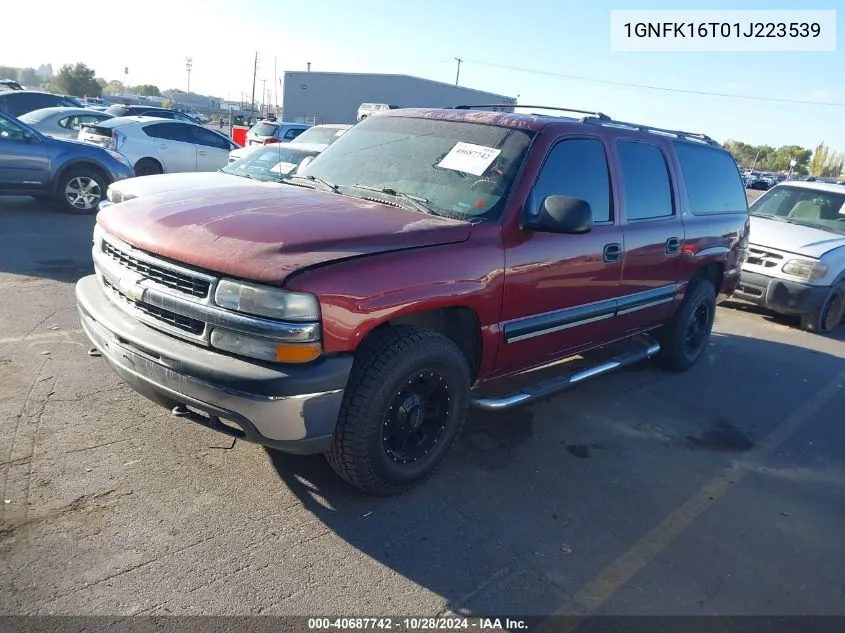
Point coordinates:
[(189, 64), (458, 74)]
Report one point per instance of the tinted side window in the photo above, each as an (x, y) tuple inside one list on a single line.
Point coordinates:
[(208, 138), (170, 132), (645, 176), (712, 180), (576, 168), (293, 133)]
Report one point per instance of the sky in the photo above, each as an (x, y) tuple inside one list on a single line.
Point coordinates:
[(511, 47)]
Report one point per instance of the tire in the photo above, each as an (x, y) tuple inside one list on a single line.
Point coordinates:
[(148, 167), (684, 339), (80, 189), (391, 375), (829, 315)]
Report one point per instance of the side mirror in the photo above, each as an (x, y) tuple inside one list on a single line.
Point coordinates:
[(29, 137), (560, 214)]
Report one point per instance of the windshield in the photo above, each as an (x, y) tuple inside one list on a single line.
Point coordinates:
[(321, 135), (801, 205), (264, 129), (460, 168), (268, 163)]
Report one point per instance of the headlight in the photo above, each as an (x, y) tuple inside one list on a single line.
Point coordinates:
[(805, 268), (267, 302), (264, 349), (98, 235)]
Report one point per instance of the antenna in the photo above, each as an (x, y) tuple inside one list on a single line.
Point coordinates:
[(458, 74)]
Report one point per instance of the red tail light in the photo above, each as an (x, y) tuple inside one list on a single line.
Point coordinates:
[(272, 139)]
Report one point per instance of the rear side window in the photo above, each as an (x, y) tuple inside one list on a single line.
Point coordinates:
[(292, 133), (170, 131), (645, 177), (712, 180), (264, 129), (576, 168)]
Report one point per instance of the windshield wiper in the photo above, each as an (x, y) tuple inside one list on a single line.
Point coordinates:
[(418, 203), (325, 185)]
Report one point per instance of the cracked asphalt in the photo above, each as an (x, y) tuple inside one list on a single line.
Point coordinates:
[(717, 491)]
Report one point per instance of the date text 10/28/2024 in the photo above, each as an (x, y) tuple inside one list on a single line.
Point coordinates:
[(416, 624)]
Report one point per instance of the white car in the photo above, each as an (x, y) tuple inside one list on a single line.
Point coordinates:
[(62, 122), (156, 146), (795, 262), (320, 137), (268, 165)]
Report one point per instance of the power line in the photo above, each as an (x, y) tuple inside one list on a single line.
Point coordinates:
[(648, 87)]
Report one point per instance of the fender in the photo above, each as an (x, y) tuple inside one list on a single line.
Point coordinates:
[(356, 296)]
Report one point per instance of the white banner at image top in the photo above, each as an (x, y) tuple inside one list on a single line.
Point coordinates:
[(722, 31)]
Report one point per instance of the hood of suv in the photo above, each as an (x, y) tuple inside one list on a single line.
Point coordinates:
[(793, 238), (264, 234)]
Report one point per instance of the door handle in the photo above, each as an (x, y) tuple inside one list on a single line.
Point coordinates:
[(612, 252), (673, 245)]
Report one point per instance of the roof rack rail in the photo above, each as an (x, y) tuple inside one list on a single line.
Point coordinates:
[(591, 114), (691, 136)]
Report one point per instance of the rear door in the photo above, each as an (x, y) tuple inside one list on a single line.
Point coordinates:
[(212, 149), (654, 233), (24, 164), (174, 145)]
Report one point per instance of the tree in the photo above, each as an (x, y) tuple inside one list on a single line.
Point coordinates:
[(767, 158), (77, 80), (114, 87), (175, 91), (7, 72), (826, 163), (101, 82), (29, 78), (148, 90)]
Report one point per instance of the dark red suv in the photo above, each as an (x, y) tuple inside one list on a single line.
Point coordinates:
[(360, 308)]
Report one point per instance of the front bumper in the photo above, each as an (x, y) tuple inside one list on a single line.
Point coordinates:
[(291, 408), (780, 295)]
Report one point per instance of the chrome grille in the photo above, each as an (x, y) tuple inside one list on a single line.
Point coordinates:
[(160, 275), (763, 258), (187, 324)]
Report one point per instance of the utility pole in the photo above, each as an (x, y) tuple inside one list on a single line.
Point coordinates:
[(275, 88), (189, 64), (458, 75), (263, 95), (252, 101)]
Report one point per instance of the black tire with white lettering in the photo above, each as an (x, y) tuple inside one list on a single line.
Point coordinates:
[(404, 405)]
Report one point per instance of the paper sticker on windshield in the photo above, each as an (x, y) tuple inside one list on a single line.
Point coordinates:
[(469, 158), (283, 168)]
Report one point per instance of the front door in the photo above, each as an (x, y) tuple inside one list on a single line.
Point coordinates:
[(654, 235), (560, 290), (24, 161)]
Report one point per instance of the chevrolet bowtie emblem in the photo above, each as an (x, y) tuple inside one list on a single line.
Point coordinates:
[(130, 286)]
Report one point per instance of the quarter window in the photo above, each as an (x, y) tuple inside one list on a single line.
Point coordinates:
[(712, 180), (576, 168), (645, 178)]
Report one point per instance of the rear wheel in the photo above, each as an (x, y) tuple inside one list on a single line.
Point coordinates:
[(80, 189), (405, 403), (148, 167), (684, 339), (829, 316)]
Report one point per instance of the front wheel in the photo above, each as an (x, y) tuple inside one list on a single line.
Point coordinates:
[(684, 339), (404, 405), (829, 316)]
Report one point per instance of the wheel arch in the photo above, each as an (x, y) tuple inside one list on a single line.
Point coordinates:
[(91, 164), (460, 324)]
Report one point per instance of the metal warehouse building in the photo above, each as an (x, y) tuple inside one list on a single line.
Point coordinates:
[(317, 97)]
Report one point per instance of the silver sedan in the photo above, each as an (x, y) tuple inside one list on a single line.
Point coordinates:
[(63, 122)]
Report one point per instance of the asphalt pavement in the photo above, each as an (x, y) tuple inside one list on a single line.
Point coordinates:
[(716, 491)]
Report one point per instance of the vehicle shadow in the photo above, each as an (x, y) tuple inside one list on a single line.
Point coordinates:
[(38, 239), (781, 319), (534, 502)]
